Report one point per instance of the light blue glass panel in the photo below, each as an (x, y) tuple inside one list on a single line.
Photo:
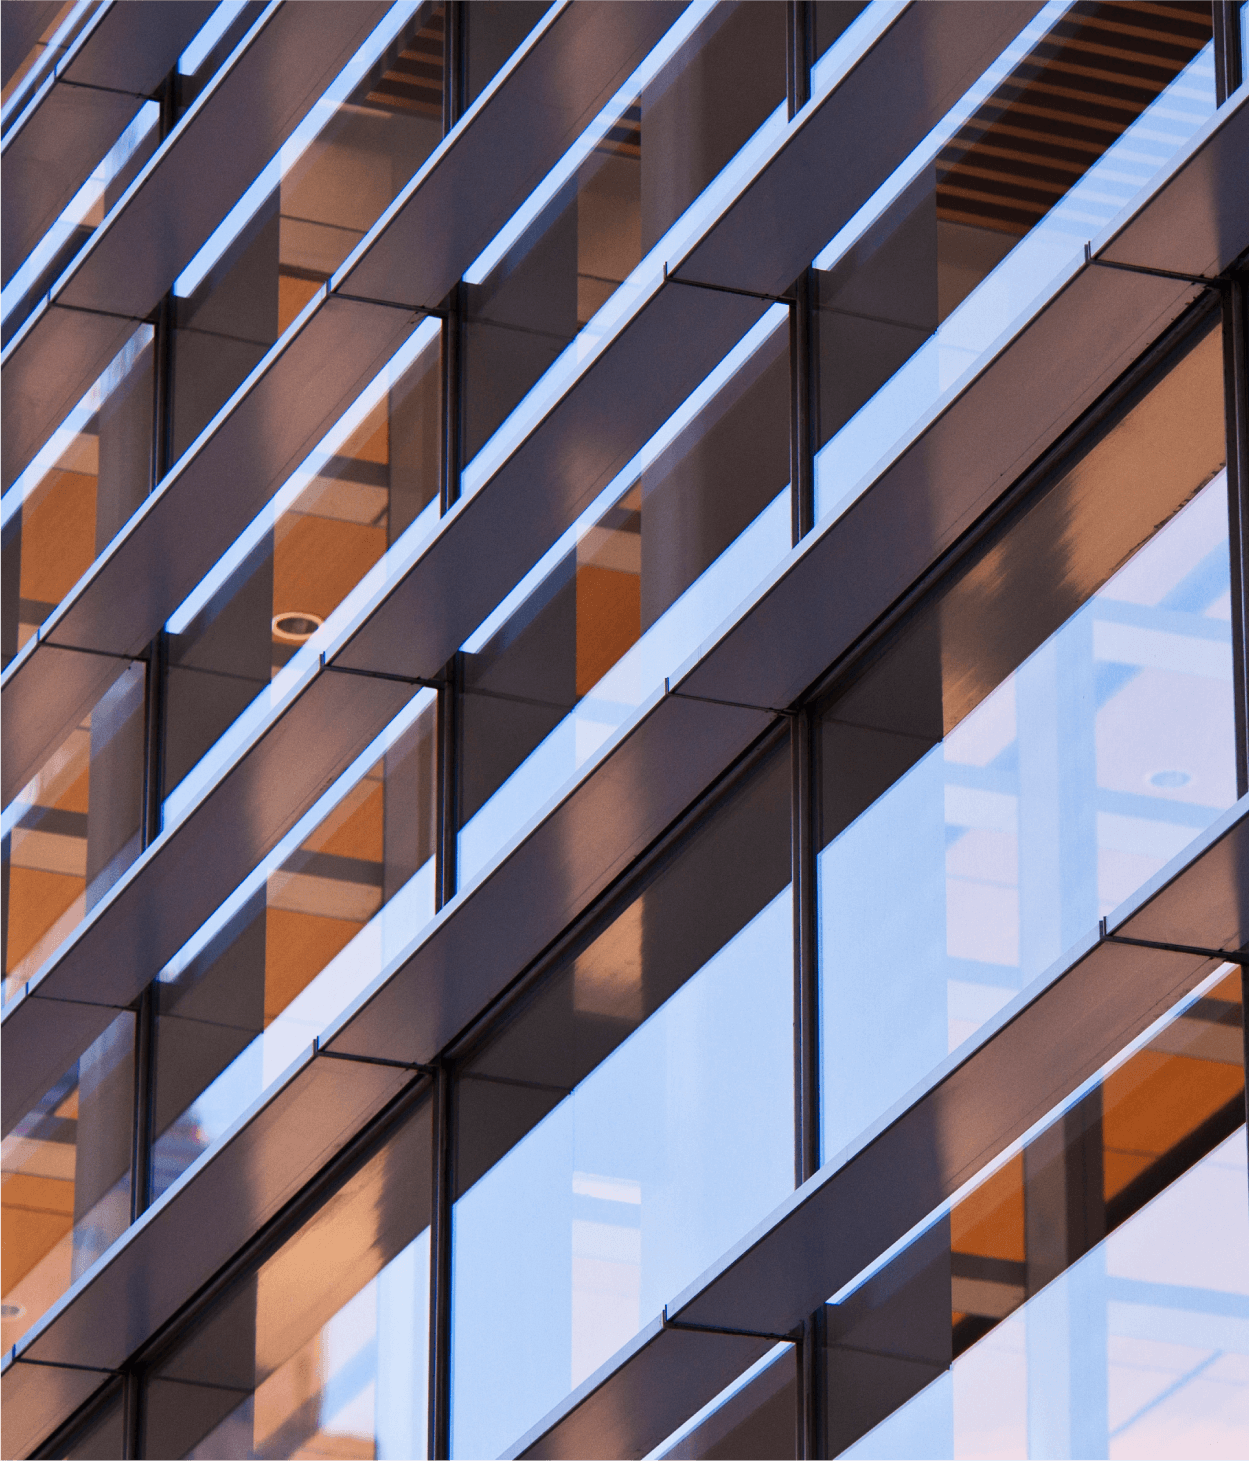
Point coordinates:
[(357, 1388), (677, 1144), (1085, 771), (943, 346), (1139, 1349)]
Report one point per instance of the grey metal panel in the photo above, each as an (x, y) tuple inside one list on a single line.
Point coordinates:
[(35, 1399), (286, 60), (23, 25), (302, 384), (496, 535), (1198, 221), (192, 868), (39, 1039), (1043, 1045), (37, 392), (438, 226), (487, 935), (257, 440), (54, 147), (57, 688), (136, 44), (199, 1224), (852, 569), (640, 1384), (831, 165)]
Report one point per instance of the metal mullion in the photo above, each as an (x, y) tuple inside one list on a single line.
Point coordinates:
[(1227, 44), (442, 1202)]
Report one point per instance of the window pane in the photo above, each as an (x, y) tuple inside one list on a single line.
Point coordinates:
[(67, 1178), (975, 227), (574, 1227), (1089, 1296), (324, 1350), (331, 181), (376, 472), (349, 886), (649, 572), (79, 491), (74, 828), (693, 114), (999, 779)]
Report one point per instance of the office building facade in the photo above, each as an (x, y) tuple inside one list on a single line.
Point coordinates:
[(493, 968)]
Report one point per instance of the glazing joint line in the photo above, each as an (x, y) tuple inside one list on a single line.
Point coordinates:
[(728, 289), (793, 1337), (414, 309), (1204, 280), (379, 675), (1236, 956), (317, 1050), (731, 704)]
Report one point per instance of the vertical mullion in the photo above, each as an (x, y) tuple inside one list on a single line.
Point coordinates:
[(1236, 406), (801, 410), (440, 1270), (1227, 53)]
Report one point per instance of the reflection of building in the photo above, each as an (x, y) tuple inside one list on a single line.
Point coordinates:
[(625, 729)]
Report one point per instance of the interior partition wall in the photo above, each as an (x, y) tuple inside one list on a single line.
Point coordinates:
[(850, 903)]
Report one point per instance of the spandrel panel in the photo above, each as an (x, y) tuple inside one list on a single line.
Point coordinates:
[(78, 492), (573, 1227), (345, 891), (650, 571), (755, 1416), (350, 156), (1089, 1296), (265, 604), (80, 218), (1048, 733), (694, 112), (322, 1351), (38, 42), (74, 828), (66, 1178), (963, 241)]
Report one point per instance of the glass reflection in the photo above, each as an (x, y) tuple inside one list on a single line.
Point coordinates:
[(346, 161), (59, 25), (1018, 805), (994, 208), (701, 94), (754, 1416), (573, 1226), (80, 218), (66, 1178), (345, 890), (75, 827), (324, 1350), (277, 596), (79, 491), (1097, 1280), (651, 569)]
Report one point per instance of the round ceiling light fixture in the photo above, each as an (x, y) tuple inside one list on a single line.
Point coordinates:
[(296, 628), (1169, 780)]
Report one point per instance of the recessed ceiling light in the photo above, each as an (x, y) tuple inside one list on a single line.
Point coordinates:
[(295, 628)]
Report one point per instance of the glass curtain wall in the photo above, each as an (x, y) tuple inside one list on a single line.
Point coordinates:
[(613, 201), (1089, 1296), (76, 826), (573, 1227), (66, 1178), (345, 890), (78, 492), (990, 213), (321, 1350), (375, 473), (1048, 732), (649, 571)]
